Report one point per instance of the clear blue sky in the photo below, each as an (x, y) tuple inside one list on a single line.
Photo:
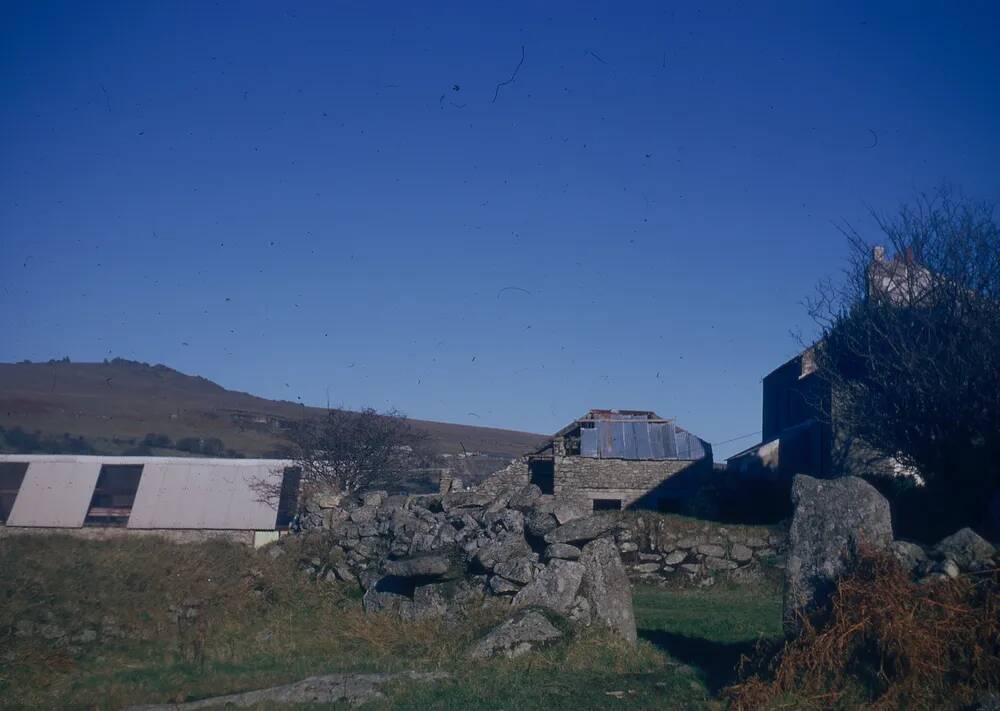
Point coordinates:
[(294, 197)]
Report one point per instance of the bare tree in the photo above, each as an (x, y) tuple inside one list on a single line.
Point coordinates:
[(344, 451), (911, 344)]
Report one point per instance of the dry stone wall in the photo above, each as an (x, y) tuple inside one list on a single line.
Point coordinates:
[(438, 555), (676, 550)]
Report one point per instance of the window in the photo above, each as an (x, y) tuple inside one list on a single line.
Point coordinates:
[(607, 504), (11, 476), (288, 500), (543, 475), (114, 495)]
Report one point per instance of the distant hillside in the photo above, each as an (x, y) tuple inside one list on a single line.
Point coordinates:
[(114, 405)]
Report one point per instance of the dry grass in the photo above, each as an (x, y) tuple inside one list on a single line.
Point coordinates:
[(886, 642), (257, 621), (261, 622)]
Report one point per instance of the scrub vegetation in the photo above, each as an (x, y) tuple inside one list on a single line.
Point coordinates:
[(886, 642)]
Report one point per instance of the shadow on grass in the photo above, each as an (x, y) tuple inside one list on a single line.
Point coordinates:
[(716, 661)]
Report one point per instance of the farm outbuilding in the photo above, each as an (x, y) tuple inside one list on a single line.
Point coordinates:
[(185, 499), (623, 459)]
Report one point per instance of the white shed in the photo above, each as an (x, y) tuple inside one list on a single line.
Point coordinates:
[(168, 495)]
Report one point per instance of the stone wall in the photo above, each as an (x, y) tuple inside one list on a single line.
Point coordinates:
[(97, 533), (628, 480), (675, 550), (501, 543)]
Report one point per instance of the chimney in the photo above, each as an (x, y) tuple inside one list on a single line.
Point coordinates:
[(879, 253)]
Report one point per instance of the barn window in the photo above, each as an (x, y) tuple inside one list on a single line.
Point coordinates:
[(543, 474), (11, 476), (288, 500), (114, 495), (607, 504)]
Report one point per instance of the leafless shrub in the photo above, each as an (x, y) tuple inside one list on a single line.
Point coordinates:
[(345, 451)]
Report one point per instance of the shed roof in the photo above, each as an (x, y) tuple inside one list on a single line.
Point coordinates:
[(204, 495), (54, 494), (173, 492)]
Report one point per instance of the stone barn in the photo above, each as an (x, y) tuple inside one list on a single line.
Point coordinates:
[(623, 459)]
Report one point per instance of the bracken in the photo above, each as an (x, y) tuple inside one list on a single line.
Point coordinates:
[(885, 642)]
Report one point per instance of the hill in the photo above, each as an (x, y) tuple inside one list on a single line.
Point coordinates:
[(111, 407)]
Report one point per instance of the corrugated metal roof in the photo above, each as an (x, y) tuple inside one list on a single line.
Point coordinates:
[(55, 493), (633, 438), (204, 495)]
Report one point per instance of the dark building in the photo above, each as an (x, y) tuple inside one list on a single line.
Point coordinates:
[(796, 436), (799, 432)]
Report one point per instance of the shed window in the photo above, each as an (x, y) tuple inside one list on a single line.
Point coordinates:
[(114, 495), (11, 476), (607, 504), (288, 500)]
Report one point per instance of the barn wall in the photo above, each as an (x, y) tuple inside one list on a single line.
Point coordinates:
[(629, 480)]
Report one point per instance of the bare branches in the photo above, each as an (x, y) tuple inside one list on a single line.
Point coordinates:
[(344, 451), (911, 339)]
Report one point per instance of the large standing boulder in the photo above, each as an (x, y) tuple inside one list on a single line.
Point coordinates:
[(606, 587), (833, 519), (523, 632)]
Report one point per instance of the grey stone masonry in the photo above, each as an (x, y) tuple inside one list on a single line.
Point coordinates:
[(679, 551), (623, 479)]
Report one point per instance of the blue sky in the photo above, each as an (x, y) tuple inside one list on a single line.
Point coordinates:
[(296, 198)]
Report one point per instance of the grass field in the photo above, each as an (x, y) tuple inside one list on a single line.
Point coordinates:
[(177, 623)]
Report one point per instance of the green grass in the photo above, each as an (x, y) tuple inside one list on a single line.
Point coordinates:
[(727, 616), (265, 623)]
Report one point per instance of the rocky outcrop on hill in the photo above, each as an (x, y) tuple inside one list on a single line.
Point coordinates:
[(435, 555)]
